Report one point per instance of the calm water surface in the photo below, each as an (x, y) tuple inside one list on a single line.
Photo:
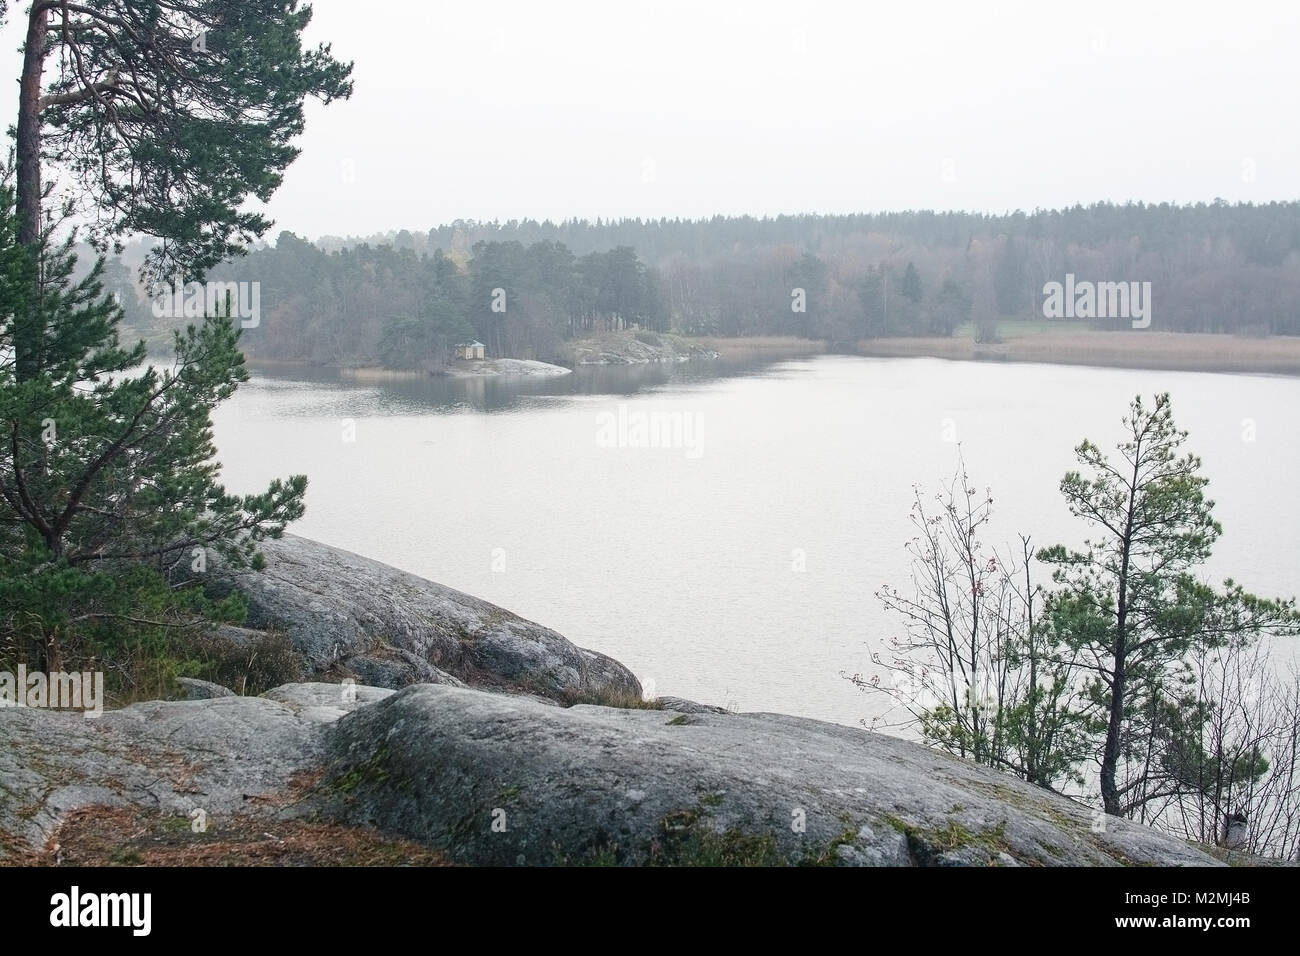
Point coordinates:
[(738, 565)]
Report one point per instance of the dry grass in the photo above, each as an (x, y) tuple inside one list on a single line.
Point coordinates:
[(1185, 351), (252, 667), (116, 836), (620, 700)]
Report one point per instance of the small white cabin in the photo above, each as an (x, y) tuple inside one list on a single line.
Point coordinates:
[(469, 351)]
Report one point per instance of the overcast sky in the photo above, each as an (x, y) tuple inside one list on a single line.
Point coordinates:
[(500, 110)]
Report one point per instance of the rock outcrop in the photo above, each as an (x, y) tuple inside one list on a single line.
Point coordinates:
[(489, 778), (637, 348), (348, 615), (502, 367), (193, 689)]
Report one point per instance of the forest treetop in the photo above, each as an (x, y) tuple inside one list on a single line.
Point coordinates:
[(403, 297)]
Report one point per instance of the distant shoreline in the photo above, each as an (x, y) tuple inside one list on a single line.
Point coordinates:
[(1162, 351)]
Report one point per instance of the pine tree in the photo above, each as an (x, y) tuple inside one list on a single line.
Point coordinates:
[(911, 284), (1134, 604), (167, 118), (109, 491)]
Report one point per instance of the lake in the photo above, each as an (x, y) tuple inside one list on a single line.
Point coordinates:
[(721, 528)]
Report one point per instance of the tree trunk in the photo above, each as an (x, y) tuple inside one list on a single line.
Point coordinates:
[(49, 657), (1031, 768), (1110, 756), (1114, 725), (27, 336)]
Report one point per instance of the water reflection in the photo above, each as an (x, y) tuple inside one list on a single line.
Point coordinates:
[(448, 395)]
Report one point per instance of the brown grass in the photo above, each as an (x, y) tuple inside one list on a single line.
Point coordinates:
[(1187, 351), (247, 668), (117, 836), (620, 700)]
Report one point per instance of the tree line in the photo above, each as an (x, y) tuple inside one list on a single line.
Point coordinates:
[(380, 304), (400, 298)]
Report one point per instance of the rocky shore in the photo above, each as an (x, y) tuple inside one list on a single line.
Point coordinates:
[(637, 348), (505, 367), (452, 731), (349, 616)]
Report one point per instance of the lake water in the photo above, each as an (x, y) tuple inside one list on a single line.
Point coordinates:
[(737, 565)]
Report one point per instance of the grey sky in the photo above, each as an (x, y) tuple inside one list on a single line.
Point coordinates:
[(524, 109)]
